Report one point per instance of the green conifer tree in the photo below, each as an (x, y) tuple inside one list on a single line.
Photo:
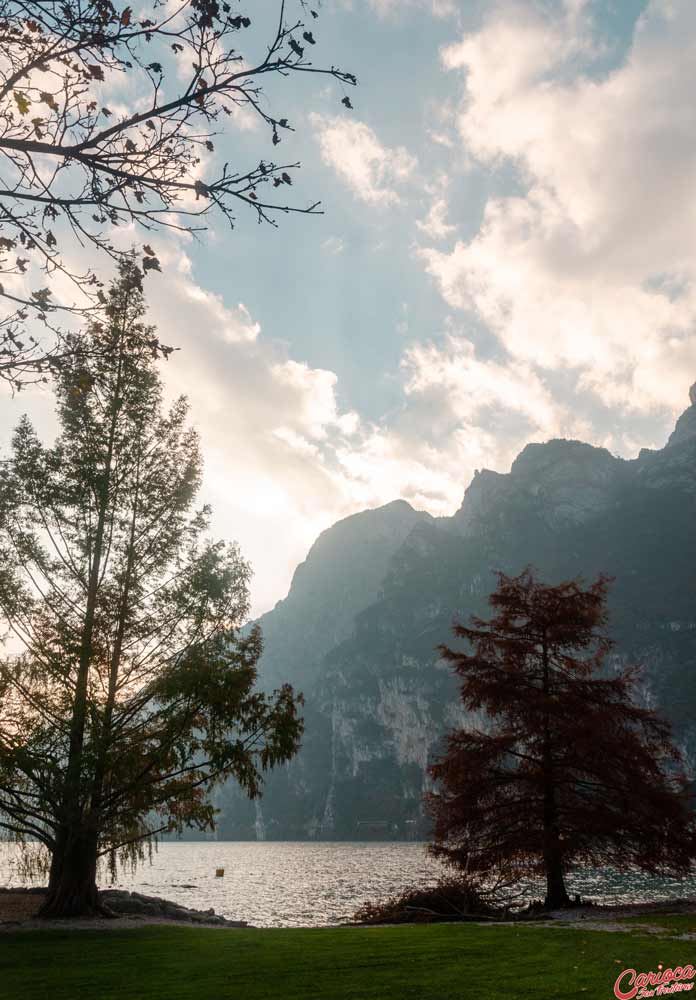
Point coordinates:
[(127, 690)]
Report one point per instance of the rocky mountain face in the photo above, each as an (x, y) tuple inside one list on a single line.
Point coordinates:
[(341, 576), (378, 592)]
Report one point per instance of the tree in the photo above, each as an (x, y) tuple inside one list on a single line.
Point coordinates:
[(561, 766), (73, 166), (127, 688)]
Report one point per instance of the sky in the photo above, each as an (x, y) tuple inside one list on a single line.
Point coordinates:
[(507, 254)]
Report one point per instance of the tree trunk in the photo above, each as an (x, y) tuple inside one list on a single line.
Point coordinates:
[(72, 887), (556, 894)]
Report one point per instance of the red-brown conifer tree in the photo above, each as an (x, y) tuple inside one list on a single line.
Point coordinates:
[(560, 764)]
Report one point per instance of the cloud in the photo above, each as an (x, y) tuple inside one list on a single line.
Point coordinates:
[(284, 459), (572, 306), (268, 425), (392, 8), (435, 224), (372, 171), (459, 413), (334, 245), (593, 267)]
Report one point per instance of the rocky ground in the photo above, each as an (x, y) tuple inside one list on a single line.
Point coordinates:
[(617, 918), (20, 906)]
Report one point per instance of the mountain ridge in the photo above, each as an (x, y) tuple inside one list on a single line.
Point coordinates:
[(379, 590)]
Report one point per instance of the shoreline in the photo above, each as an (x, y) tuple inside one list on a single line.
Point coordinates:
[(18, 906)]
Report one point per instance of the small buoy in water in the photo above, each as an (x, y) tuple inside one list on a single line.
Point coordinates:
[(219, 872)]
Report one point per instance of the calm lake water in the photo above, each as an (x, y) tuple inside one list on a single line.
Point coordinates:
[(281, 884)]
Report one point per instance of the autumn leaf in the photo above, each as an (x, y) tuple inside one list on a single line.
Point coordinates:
[(95, 71), (41, 298), (22, 101), (297, 49), (309, 37), (49, 99), (346, 103), (147, 249), (126, 17)]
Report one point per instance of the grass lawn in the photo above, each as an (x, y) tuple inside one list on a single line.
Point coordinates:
[(445, 962)]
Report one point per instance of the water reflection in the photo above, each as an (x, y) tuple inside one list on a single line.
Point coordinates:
[(313, 884)]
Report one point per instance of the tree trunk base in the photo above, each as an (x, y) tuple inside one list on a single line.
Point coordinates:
[(561, 901), (69, 904)]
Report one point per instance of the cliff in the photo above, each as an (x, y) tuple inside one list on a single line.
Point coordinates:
[(378, 592)]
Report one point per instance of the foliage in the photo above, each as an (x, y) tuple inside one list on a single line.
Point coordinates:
[(74, 168), (451, 899), (127, 690), (559, 765)]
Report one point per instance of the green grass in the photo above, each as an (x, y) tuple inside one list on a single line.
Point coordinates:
[(446, 962)]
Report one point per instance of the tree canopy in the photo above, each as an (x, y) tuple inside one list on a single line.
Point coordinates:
[(126, 687), (560, 764), (109, 118)]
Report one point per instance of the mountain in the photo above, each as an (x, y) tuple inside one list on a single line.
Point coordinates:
[(341, 576), (378, 592)]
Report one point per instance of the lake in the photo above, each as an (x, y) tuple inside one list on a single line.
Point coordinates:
[(282, 884)]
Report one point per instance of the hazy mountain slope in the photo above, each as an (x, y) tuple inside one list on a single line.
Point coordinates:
[(377, 698), (342, 574)]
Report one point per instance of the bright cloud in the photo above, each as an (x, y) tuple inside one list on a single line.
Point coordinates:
[(390, 8), (435, 224), (593, 268), (373, 171), (569, 312)]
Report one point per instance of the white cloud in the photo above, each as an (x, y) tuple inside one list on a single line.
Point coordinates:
[(435, 224), (580, 271), (284, 460), (392, 8), (459, 413), (373, 171), (586, 277), (334, 245)]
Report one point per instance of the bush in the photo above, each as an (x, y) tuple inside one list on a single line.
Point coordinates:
[(449, 899)]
